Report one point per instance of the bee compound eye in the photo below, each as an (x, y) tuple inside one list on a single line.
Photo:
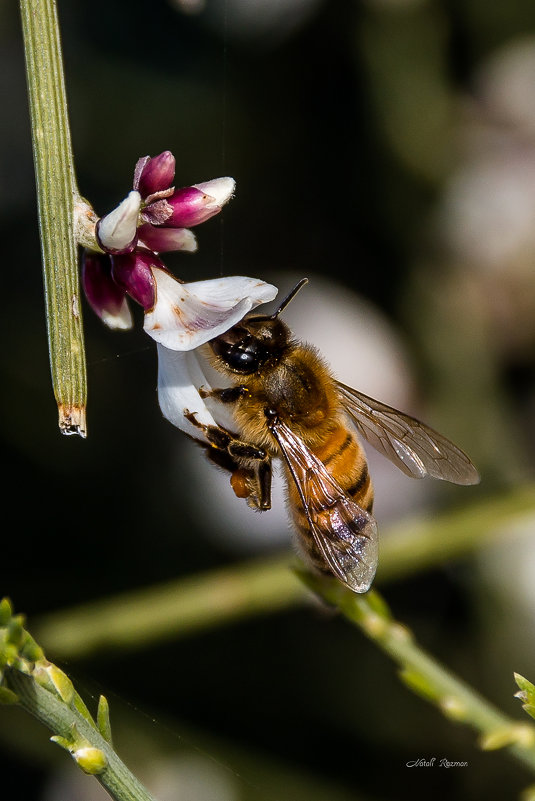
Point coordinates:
[(243, 361)]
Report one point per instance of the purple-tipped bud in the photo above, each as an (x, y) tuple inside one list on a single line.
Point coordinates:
[(154, 174), (163, 240), (104, 296), (117, 231), (132, 271), (191, 205)]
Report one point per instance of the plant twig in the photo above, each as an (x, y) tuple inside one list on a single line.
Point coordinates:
[(43, 690), (57, 196), (135, 620), (424, 675)]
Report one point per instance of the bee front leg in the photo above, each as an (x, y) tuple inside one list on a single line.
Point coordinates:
[(226, 395)]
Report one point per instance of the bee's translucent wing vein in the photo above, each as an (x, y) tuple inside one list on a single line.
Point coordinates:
[(411, 445)]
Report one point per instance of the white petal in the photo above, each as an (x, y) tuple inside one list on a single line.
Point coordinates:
[(227, 291), (221, 189), (118, 228), (188, 315), (121, 320), (179, 376)]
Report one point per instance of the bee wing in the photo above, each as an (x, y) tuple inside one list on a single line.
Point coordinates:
[(412, 446), (344, 533)]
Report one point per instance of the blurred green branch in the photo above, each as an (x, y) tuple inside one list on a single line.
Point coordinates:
[(137, 619), (58, 200), (43, 690), (424, 675)]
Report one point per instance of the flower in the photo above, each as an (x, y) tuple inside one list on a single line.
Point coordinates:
[(186, 316), (152, 219), (155, 218)]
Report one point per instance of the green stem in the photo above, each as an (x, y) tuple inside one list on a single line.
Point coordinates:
[(61, 720), (57, 197), (425, 675), (137, 619)]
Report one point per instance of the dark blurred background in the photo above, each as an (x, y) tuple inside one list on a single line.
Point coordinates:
[(386, 150)]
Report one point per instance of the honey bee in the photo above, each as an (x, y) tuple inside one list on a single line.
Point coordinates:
[(287, 405)]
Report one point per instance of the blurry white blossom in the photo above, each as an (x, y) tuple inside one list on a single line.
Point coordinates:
[(486, 219)]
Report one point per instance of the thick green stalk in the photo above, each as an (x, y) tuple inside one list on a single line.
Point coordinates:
[(57, 196)]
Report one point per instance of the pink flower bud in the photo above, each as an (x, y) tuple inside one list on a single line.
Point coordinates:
[(106, 299), (133, 272), (163, 240), (191, 205), (154, 174)]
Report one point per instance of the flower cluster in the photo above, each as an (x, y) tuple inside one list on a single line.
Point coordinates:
[(154, 218)]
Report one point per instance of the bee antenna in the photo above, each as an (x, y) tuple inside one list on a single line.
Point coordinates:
[(290, 296)]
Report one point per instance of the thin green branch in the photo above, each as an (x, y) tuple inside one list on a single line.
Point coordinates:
[(43, 690), (57, 196), (137, 619), (63, 721), (423, 674)]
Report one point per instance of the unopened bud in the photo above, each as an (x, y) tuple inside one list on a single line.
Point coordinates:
[(133, 272), (91, 760), (105, 297), (191, 205), (153, 175), (117, 231), (163, 240)]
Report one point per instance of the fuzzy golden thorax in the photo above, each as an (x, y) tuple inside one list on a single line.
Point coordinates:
[(279, 374)]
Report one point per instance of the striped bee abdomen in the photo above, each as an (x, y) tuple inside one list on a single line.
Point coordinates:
[(344, 458)]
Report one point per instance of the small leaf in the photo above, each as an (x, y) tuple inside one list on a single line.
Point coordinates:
[(528, 794), (103, 718), (530, 709), (7, 696), (31, 650), (6, 611), (54, 680), (515, 734), (63, 742), (80, 707), (15, 630), (525, 685), (526, 694)]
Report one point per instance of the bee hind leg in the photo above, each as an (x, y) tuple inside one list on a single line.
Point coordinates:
[(249, 466), (253, 484)]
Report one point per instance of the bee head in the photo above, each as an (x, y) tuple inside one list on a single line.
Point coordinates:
[(256, 341)]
